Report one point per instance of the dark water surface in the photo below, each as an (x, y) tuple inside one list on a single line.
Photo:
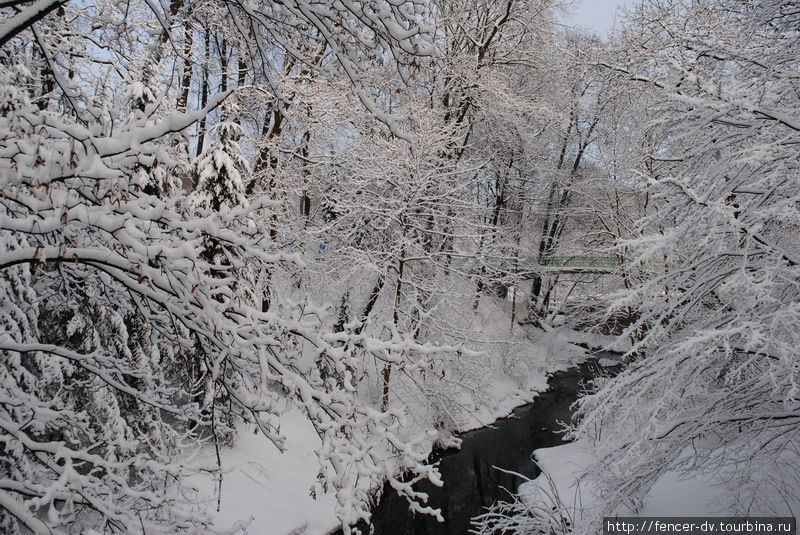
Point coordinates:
[(471, 481)]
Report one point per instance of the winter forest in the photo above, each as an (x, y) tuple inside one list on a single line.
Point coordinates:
[(324, 238)]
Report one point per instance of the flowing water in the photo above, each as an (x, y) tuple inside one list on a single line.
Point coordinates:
[(471, 477)]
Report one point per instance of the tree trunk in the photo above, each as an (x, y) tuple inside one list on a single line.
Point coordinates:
[(398, 292)]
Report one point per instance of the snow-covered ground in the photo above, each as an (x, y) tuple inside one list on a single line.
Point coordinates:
[(273, 489), (673, 494)]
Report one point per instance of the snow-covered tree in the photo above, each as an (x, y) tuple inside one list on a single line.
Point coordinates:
[(219, 175), (710, 390), (578, 93), (717, 316), (107, 285)]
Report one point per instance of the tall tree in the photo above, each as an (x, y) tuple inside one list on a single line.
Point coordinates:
[(578, 98), (718, 311), (106, 281)]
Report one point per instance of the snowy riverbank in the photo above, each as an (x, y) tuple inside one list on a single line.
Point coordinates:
[(563, 490), (273, 490)]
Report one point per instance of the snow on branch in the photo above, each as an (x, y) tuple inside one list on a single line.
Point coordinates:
[(133, 323), (714, 368)]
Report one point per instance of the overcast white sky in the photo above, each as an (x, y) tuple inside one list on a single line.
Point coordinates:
[(597, 15)]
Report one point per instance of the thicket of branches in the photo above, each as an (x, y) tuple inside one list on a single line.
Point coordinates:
[(717, 317), (178, 180), (136, 320), (711, 273), (168, 172)]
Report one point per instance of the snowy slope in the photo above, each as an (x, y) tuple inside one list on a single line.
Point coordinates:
[(273, 489), (673, 494)]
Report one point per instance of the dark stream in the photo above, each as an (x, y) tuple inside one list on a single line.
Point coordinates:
[(471, 481)]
